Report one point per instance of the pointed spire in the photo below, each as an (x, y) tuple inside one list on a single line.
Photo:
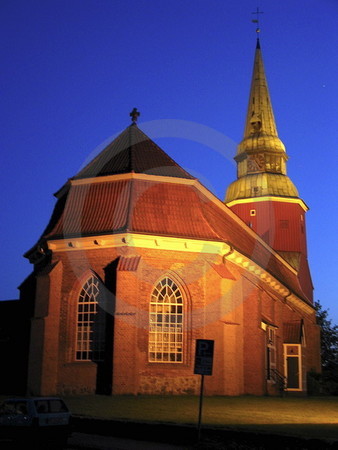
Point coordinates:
[(261, 157), (260, 117), (260, 134)]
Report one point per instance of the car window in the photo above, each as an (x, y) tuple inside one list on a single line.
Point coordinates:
[(57, 405), (21, 408), (5, 408), (14, 407), (41, 406)]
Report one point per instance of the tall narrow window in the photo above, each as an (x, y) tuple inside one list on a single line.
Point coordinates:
[(166, 323), (270, 352), (91, 321)]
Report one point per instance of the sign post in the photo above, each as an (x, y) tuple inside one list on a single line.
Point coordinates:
[(203, 366)]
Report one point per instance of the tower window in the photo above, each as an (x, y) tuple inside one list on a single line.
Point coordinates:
[(166, 323), (273, 163), (252, 212), (91, 321)]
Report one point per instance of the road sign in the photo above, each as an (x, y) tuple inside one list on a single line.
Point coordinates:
[(204, 356)]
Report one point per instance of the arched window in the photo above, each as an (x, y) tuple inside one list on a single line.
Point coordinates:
[(91, 323), (166, 323)]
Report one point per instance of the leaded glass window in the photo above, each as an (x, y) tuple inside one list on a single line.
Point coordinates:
[(166, 323), (91, 322)]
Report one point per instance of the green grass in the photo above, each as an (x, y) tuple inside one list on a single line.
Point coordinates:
[(315, 417)]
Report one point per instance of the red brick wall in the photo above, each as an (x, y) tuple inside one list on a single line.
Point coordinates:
[(44, 348), (227, 310)]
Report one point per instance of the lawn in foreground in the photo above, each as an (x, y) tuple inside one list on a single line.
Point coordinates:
[(309, 416)]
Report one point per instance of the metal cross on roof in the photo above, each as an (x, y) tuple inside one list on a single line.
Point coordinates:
[(257, 12), (134, 115)]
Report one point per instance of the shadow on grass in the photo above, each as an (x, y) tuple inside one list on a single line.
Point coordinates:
[(252, 422), (185, 436), (325, 431)]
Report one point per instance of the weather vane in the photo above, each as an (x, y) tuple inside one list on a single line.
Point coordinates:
[(134, 115), (257, 12)]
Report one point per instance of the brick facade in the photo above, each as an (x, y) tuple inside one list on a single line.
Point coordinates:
[(228, 310)]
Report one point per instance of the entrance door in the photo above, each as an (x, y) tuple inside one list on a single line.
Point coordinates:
[(293, 367)]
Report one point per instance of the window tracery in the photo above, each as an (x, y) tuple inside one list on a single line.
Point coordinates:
[(91, 322), (166, 323)]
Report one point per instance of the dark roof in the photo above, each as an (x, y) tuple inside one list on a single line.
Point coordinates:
[(149, 205), (128, 263), (132, 151), (143, 206), (293, 332)]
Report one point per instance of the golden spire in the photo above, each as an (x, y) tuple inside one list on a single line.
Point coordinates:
[(260, 116), (260, 132), (261, 157)]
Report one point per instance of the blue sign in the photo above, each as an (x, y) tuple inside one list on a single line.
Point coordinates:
[(204, 356)]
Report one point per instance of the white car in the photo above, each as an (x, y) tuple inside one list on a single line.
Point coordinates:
[(36, 418)]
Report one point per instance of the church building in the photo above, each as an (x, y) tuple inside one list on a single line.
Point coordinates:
[(139, 260)]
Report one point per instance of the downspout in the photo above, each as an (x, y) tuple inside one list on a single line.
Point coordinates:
[(228, 253)]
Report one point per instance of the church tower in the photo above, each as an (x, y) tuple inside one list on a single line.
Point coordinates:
[(263, 196)]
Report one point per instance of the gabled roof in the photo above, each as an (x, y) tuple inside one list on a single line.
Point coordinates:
[(132, 151)]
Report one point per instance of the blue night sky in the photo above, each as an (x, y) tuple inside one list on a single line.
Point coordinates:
[(72, 71)]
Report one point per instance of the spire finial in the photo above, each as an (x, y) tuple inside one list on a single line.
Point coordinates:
[(134, 115), (257, 12)]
